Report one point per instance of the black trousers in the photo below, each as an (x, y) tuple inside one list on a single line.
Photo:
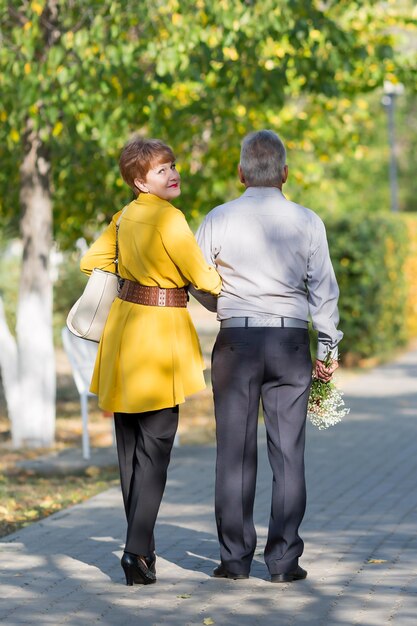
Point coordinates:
[(249, 365), (144, 444)]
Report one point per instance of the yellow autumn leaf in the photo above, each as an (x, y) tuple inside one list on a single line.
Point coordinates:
[(315, 34), (27, 68), (392, 78), (3, 116), (213, 39), (377, 561), (57, 129), (362, 104), (230, 53), (69, 39), (47, 503), (14, 135), (116, 84), (27, 25), (36, 7), (92, 471), (208, 621)]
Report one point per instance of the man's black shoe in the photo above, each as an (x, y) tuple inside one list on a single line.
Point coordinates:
[(221, 572), (289, 577)]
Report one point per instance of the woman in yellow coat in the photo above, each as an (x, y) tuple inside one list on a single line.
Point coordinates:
[(149, 357)]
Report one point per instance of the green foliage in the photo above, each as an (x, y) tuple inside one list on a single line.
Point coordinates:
[(369, 254), (199, 74), (358, 179)]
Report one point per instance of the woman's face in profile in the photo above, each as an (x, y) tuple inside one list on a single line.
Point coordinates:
[(163, 180)]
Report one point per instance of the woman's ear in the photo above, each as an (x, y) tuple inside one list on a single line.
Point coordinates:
[(139, 184)]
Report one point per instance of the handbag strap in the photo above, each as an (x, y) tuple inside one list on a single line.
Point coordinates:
[(116, 258)]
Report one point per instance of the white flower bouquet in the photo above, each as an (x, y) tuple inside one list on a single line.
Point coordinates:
[(326, 406)]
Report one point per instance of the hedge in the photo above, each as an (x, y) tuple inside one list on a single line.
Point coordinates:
[(375, 260), (411, 275)]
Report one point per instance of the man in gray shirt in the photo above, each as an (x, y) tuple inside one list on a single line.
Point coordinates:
[(273, 257)]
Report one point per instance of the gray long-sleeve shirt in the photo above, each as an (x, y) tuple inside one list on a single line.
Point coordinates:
[(273, 257)]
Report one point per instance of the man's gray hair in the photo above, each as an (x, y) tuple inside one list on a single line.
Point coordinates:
[(262, 159)]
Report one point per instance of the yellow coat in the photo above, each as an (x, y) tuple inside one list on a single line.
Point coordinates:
[(149, 357)]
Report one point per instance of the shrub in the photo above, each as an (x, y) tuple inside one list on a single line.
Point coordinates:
[(410, 270), (369, 254)]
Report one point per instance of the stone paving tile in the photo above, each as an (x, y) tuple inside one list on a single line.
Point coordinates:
[(360, 534)]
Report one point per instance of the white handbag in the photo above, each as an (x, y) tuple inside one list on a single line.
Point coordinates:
[(88, 315)]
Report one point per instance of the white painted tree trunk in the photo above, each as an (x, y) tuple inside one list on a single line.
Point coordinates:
[(28, 364), (9, 367)]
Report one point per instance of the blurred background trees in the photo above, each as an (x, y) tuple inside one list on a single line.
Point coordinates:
[(201, 74), (77, 77)]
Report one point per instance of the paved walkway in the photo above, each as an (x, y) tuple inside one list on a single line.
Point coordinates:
[(360, 535)]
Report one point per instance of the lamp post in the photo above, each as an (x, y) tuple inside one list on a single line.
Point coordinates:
[(391, 91)]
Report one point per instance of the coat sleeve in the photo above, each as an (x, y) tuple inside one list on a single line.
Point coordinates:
[(182, 248), (102, 253)]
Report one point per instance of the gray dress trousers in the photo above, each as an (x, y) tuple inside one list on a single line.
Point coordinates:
[(271, 365)]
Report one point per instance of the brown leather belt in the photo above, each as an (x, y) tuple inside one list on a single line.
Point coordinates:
[(132, 291)]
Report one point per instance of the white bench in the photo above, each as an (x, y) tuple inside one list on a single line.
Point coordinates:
[(81, 355)]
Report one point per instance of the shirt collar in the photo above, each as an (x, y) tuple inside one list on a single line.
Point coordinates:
[(261, 192)]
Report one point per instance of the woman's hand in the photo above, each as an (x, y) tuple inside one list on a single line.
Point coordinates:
[(324, 371)]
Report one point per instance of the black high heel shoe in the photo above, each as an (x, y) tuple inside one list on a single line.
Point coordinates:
[(151, 562), (136, 571)]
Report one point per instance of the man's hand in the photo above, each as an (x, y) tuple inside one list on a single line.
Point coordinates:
[(324, 372)]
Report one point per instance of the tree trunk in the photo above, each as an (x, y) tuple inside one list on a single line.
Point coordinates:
[(34, 423), (28, 363), (9, 368)]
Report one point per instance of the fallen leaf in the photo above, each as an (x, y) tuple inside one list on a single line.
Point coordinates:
[(46, 503), (377, 561), (184, 595), (93, 471), (208, 621)]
